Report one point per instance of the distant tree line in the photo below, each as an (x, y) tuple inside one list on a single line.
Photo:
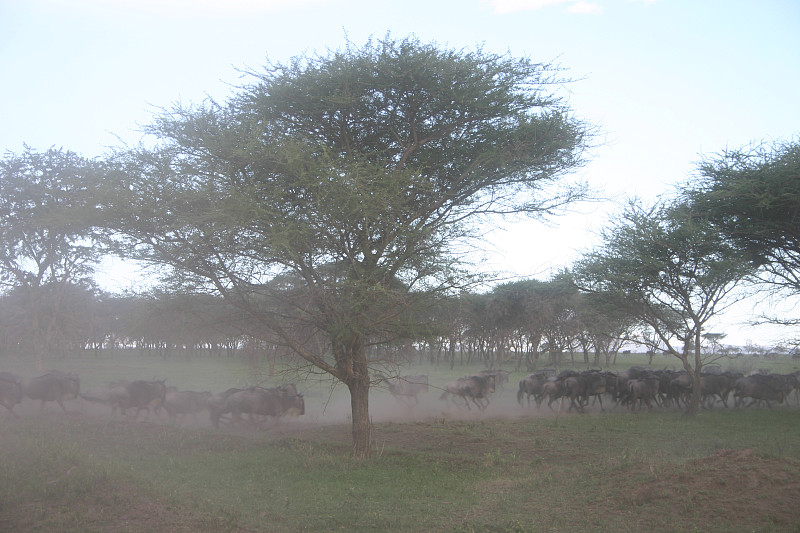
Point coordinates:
[(50, 305)]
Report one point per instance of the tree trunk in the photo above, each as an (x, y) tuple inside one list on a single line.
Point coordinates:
[(694, 403), (352, 362), (362, 426)]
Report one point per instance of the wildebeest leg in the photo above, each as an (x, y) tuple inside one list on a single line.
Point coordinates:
[(466, 402), (539, 399), (10, 409), (480, 404)]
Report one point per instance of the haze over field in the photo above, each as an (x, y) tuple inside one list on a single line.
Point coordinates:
[(666, 81)]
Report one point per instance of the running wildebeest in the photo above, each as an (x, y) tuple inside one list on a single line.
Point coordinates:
[(476, 388), (257, 401), (532, 385), (185, 403), (553, 389), (55, 386), (402, 387), (10, 391), (643, 390), (144, 395), (116, 395), (500, 376), (217, 405), (761, 387), (717, 385), (580, 387)]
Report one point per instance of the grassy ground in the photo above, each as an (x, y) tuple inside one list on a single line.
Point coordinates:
[(724, 471), (435, 468)]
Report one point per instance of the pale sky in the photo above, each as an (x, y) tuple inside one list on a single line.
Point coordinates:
[(665, 80)]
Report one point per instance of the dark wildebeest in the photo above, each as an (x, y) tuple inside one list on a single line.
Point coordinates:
[(257, 401), (185, 403), (599, 383), (145, 395), (574, 388), (622, 393), (476, 388), (407, 386), (760, 387), (579, 387), (10, 391), (553, 389), (116, 395), (681, 388), (55, 386), (644, 390), (717, 385), (217, 405), (532, 385)]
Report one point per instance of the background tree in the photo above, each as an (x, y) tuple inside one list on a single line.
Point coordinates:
[(672, 271), (606, 325), (752, 195), (47, 244), (360, 173)]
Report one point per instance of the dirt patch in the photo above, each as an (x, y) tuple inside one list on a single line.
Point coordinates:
[(119, 508), (734, 489)]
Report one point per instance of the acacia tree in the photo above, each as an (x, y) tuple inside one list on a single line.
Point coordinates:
[(333, 191), (47, 244), (606, 325), (672, 271), (752, 195)]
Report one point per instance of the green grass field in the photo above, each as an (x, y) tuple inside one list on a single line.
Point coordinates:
[(434, 467)]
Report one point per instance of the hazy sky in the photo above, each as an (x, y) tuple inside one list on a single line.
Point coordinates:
[(666, 80)]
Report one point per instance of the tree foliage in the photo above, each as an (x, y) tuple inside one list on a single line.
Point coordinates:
[(48, 248), (752, 195), (46, 233)]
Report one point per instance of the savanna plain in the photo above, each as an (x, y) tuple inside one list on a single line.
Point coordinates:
[(436, 466)]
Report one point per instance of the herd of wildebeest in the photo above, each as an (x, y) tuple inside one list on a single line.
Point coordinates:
[(130, 398), (635, 388)]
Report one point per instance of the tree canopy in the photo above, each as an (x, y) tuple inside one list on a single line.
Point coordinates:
[(335, 191), (752, 196), (48, 247)]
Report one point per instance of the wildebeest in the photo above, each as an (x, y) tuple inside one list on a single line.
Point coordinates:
[(643, 390), (761, 387), (681, 388), (475, 388), (579, 387), (54, 386), (532, 385), (553, 389), (402, 387), (257, 401), (596, 384), (143, 395), (217, 404), (185, 403), (717, 385), (622, 392), (116, 395), (574, 388), (500, 376), (10, 391)]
